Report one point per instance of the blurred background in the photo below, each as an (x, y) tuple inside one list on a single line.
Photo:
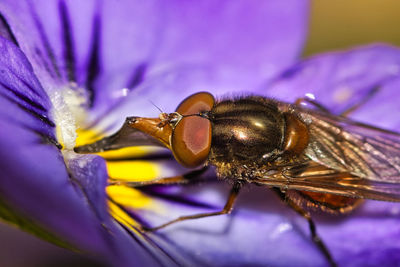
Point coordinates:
[(340, 24), (334, 24)]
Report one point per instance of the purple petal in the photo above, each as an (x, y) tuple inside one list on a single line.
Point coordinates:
[(240, 46), (260, 231), (5, 30), (27, 141), (369, 237), (264, 231), (111, 49), (339, 80), (173, 50), (90, 173), (35, 182)]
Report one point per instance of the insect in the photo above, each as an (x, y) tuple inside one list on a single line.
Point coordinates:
[(309, 157)]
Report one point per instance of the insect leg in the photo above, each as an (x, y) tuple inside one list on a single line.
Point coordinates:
[(314, 235), (312, 102), (346, 112), (226, 210), (179, 179), (364, 100)]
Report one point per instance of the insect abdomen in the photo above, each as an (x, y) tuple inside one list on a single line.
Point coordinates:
[(296, 135)]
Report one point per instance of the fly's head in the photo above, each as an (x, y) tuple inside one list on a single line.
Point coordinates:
[(190, 141), (187, 132)]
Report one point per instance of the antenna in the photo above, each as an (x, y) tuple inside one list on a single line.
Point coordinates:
[(159, 109)]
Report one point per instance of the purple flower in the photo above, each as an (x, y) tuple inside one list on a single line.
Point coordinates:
[(66, 65)]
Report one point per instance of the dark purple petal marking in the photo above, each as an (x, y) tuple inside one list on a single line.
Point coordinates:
[(68, 43), (43, 61), (230, 54), (45, 139), (134, 216), (92, 187), (367, 75), (360, 69), (33, 108), (5, 30), (79, 168), (46, 44), (162, 254), (41, 116), (136, 56), (22, 90), (288, 73), (33, 180), (22, 97), (140, 242), (89, 174), (152, 191), (28, 87), (137, 76), (93, 68)]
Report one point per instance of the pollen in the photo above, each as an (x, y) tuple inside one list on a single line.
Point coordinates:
[(69, 112)]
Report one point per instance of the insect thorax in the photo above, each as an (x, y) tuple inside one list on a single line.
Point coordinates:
[(245, 132)]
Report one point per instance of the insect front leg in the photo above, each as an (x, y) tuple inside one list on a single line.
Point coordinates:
[(314, 235), (368, 96), (311, 101), (226, 210), (359, 104)]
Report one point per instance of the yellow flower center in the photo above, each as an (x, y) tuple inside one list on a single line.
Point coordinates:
[(69, 114)]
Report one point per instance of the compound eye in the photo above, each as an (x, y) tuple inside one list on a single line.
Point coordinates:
[(191, 141), (191, 137), (196, 103)]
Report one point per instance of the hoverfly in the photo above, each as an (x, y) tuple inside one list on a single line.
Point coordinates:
[(310, 157)]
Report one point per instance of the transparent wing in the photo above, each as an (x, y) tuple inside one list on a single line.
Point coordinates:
[(343, 157), (311, 176), (359, 149)]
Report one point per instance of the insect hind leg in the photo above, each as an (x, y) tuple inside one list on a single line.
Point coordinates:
[(313, 229), (226, 210)]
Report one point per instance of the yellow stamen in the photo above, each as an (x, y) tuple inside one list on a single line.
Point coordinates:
[(128, 197), (132, 170), (125, 170)]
